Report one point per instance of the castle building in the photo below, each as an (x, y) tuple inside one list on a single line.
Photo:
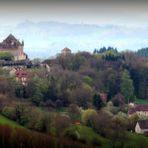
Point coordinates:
[(66, 51), (13, 46)]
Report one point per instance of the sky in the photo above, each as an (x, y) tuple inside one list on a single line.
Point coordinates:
[(130, 15), (119, 12)]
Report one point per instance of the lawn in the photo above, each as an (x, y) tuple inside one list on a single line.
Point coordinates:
[(6, 121), (136, 141), (86, 135), (141, 101)]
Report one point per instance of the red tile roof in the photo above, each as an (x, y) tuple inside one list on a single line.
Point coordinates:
[(20, 73)]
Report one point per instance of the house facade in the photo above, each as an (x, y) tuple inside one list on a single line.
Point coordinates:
[(142, 127), (20, 74), (13, 46)]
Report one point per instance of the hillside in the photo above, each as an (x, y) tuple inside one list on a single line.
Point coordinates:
[(6, 121), (82, 97)]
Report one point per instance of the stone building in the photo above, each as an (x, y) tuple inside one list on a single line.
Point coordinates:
[(13, 46), (66, 51)]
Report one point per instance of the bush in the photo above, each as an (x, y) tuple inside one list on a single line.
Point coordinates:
[(88, 80), (101, 123), (74, 112), (84, 134), (5, 56), (118, 100), (9, 112), (4, 100), (87, 114), (61, 122), (22, 138), (38, 120)]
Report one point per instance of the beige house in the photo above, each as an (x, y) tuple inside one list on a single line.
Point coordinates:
[(142, 127), (13, 46), (12, 72)]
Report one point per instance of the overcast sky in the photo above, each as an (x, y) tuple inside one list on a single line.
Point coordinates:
[(118, 12)]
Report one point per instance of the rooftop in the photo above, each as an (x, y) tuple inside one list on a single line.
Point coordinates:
[(143, 124), (10, 42), (66, 49), (138, 108)]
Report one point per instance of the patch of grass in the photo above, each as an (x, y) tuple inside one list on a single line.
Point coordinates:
[(136, 141), (141, 101), (60, 109), (6, 121), (86, 135)]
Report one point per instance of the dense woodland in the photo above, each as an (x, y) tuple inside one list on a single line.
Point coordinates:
[(143, 52), (67, 102)]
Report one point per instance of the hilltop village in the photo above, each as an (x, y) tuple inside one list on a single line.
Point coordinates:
[(82, 99), (13, 58)]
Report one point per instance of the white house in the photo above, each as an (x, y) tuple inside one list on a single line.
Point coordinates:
[(142, 127)]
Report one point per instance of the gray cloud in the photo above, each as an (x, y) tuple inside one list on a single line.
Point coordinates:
[(52, 37), (131, 12)]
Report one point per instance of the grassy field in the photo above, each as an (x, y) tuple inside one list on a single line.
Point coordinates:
[(87, 135), (6, 121), (140, 101), (137, 141)]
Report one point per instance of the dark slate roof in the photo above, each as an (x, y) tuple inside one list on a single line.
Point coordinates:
[(138, 108), (10, 42), (143, 124), (10, 37)]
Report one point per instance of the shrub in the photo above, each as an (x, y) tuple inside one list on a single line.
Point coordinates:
[(118, 100), (38, 120), (101, 122), (87, 114), (22, 138), (74, 112), (83, 134), (61, 122), (4, 100), (5, 56), (9, 112)]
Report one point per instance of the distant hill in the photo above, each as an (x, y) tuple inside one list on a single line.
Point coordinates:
[(45, 39)]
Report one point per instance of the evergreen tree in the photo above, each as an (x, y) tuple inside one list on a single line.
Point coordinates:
[(97, 102), (127, 89)]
